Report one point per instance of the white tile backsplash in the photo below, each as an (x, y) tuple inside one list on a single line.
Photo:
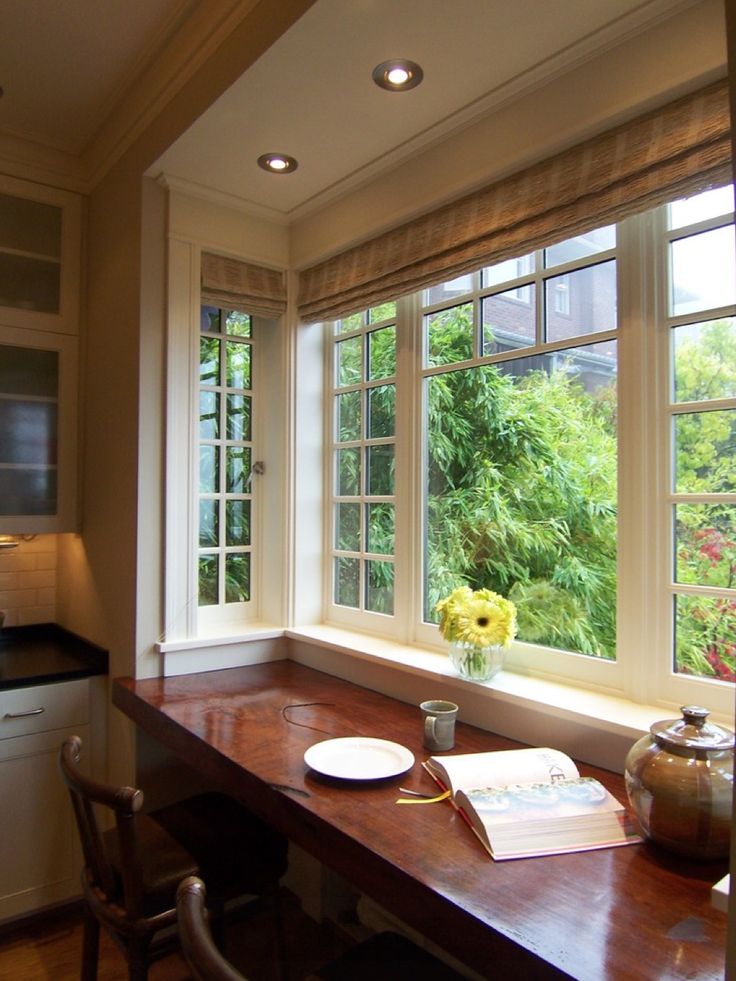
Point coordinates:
[(28, 581)]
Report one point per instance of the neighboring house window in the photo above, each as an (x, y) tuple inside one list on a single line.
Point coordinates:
[(226, 417), (576, 452)]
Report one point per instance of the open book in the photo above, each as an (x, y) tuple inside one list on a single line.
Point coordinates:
[(525, 802)]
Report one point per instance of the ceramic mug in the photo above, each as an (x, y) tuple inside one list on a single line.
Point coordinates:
[(439, 724)]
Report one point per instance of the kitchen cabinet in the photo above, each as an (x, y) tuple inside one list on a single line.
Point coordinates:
[(38, 428), (40, 247), (40, 235), (40, 855)]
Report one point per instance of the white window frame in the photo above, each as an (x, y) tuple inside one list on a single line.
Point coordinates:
[(184, 619), (645, 584)]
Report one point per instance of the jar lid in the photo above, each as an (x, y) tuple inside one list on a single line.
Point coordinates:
[(692, 731)]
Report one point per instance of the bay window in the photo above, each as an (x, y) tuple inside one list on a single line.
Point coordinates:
[(575, 452)]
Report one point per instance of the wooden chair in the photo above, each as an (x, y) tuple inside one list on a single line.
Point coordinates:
[(131, 872), (388, 956)]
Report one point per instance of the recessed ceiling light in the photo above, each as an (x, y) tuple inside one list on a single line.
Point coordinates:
[(397, 75), (277, 163)]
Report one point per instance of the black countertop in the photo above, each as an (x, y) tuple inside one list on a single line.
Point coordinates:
[(44, 653)]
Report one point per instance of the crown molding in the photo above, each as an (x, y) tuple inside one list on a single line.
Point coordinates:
[(194, 34)]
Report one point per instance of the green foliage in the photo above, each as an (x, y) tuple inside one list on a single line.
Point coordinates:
[(522, 500), (521, 495)]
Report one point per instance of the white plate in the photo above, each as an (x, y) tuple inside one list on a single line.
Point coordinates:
[(359, 758)]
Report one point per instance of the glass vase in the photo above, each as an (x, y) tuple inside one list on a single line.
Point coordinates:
[(474, 662)]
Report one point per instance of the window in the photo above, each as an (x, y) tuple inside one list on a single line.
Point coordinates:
[(226, 463), (363, 460), (701, 414), (542, 433)]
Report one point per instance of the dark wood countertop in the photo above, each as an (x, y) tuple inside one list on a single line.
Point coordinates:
[(619, 913), (45, 653)]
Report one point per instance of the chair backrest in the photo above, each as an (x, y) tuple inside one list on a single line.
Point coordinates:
[(204, 959), (124, 802)]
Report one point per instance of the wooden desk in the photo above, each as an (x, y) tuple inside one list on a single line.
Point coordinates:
[(631, 912)]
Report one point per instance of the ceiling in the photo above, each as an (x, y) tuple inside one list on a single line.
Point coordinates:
[(67, 66)]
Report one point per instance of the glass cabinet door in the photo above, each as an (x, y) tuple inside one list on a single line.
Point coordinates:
[(40, 239), (29, 394), (30, 255), (37, 427)]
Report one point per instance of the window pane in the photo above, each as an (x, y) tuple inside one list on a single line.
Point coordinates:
[(238, 468), (208, 469), (521, 492), (237, 577), (502, 272), (382, 353), (380, 462), (349, 361), (238, 417), (381, 411), (509, 320), (208, 592), (590, 305), (705, 448), (347, 581), (348, 416), (380, 587), (208, 514), (353, 322), (709, 204), (348, 472), (589, 243), (238, 365), (705, 629), (384, 311), (237, 522), (238, 324), (450, 335), (448, 290), (209, 415), (209, 320), (209, 361), (380, 524), (705, 360), (705, 552), (347, 527), (703, 272)]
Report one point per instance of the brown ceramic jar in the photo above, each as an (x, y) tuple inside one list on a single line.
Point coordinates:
[(679, 779)]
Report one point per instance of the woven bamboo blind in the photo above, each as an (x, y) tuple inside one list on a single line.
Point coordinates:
[(674, 151), (235, 285)]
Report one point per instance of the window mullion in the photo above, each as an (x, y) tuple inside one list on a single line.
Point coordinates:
[(639, 613)]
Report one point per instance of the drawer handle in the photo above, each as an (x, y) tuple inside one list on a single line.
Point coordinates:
[(22, 715)]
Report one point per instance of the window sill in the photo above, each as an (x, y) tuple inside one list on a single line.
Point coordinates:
[(591, 726), (248, 632)]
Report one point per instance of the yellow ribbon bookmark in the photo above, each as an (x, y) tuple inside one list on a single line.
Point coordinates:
[(423, 800)]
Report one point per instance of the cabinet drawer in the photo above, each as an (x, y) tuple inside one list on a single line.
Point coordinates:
[(44, 707)]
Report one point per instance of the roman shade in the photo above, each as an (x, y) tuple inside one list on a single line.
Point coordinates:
[(679, 149), (235, 285)]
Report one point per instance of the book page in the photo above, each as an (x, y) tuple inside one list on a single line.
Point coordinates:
[(504, 767), (523, 820)]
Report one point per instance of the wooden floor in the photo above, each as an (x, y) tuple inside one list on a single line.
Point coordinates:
[(49, 949)]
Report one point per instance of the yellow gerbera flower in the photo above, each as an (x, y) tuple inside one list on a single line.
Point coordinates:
[(485, 622)]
